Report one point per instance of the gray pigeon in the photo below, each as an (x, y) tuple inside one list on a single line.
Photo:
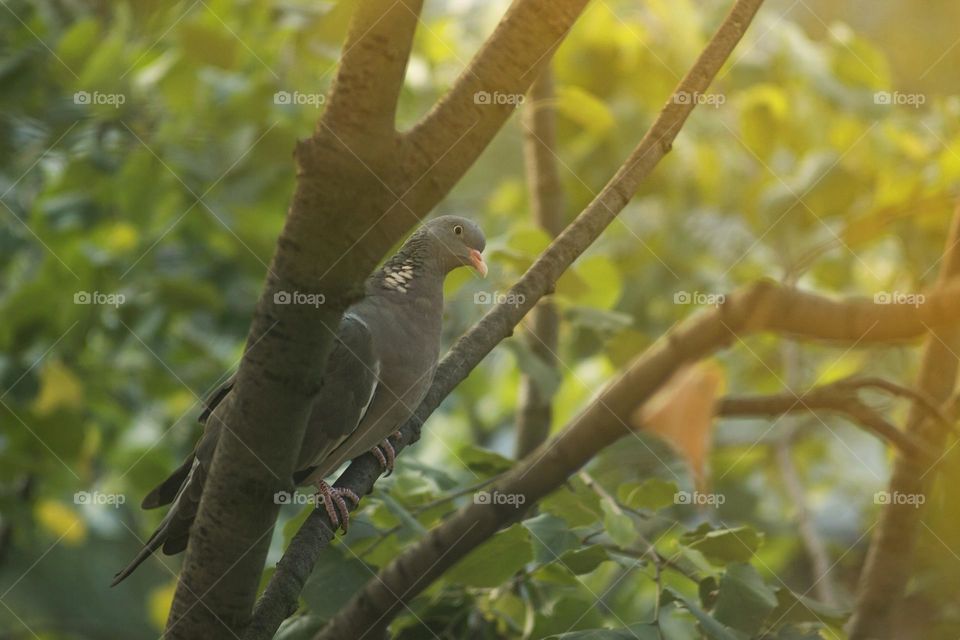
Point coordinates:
[(379, 369)]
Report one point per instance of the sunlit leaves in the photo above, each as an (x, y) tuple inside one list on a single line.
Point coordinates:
[(720, 546), (745, 599)]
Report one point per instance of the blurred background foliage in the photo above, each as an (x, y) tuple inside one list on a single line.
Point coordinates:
[(173, 200)]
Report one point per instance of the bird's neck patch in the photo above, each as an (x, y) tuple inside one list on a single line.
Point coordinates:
[(399, 275)]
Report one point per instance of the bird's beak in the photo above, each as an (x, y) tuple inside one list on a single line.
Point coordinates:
[(476, 261)]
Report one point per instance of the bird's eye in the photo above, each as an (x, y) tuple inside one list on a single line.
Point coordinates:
[(458, 230)]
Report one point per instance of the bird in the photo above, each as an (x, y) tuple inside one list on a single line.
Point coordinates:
[(379, 370)]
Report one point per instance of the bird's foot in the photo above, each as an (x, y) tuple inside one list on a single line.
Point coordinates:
[(385, 454), (335, 505)]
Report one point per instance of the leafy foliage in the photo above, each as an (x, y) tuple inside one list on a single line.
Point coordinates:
[(145, 171)]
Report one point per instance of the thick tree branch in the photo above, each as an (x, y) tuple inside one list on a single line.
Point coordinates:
[(546, 204), (320, 251), (890, 557), (765, 306), (363, 100), (487, 92), (280, 597)]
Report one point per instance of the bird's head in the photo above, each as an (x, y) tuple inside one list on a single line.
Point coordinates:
[(456, 242)]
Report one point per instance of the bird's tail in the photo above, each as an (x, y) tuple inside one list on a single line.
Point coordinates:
[(167, 491), (174, 530)]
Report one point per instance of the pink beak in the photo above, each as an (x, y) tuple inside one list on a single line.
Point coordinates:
[(476, 260)]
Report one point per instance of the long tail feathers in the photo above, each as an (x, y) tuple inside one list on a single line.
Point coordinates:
[(167, 491), (174, 529)]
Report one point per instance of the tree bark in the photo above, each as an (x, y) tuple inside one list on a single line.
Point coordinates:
[(890, 557), (545, 194), (320, 251)]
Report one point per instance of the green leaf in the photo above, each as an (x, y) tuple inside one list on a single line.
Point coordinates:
[(722, 546), (619, 525), (333, 582), (575, 503), (405, 517), (651, 494), (795, 608), (546, 377), (640, 631), (494, 561), (551, 537), (581, 561), (710, 626), (745, 600), (483, 462)]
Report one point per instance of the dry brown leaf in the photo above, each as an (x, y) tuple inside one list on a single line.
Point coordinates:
[(682, 414)]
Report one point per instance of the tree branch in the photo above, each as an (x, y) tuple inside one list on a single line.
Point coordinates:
[(890, 557), (363, 99), (320, 251), (488, 90), (546, 203), (764, 306), (280, 597), (838, 397)]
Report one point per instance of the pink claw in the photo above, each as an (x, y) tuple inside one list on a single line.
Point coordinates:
[(385, 454), (335, 505)]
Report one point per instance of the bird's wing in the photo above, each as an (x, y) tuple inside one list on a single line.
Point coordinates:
[(349, 384), (165, 492), (347, 387)]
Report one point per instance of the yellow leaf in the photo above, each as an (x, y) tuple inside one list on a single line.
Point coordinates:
[(61, 521), (59, 389), (682, 413), (845, 367), (158, 603), (121, 238), (585, 109)]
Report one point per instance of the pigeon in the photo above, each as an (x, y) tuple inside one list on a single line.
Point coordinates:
[(378, 371)]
